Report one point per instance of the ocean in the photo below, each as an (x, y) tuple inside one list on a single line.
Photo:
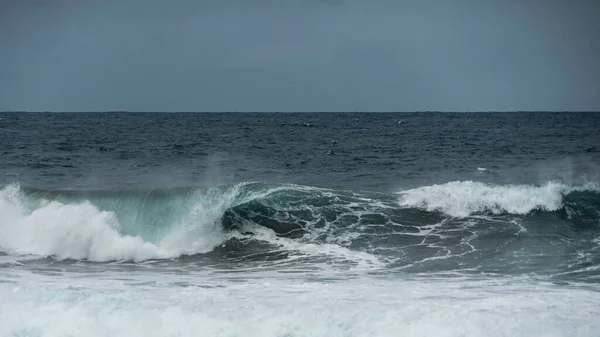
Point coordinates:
[(300, 224)]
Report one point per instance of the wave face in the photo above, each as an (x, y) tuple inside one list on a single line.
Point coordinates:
[(458, 225)]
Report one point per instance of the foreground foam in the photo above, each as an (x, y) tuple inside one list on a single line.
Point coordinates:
[(463, 198), (271, 307)]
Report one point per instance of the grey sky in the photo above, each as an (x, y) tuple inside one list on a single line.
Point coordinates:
[(304, 55)]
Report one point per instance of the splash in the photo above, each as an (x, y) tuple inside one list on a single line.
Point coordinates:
[(81, 230)]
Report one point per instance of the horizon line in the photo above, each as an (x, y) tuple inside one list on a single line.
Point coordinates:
[(340, 111)]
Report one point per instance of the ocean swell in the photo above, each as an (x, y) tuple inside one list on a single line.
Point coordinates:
[(166, 224)]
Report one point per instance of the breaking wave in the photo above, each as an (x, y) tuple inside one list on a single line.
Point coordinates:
[(166, 224), (464, 198), (107, 228)]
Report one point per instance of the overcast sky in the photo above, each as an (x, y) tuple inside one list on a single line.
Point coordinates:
[(299, 55)]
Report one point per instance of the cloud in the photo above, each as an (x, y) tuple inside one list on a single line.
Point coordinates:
[(289, 55)]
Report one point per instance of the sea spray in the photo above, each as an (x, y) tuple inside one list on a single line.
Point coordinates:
[(81, 230)]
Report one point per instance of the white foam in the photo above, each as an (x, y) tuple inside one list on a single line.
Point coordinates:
[(82, 231), (292, 307), (363, 260), (462, 198)]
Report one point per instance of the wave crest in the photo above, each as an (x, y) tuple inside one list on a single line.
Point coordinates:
[(137, 226), (464, 198), (81, 230)]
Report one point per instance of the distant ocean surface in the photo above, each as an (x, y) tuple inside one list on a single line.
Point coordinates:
[(300, 224)]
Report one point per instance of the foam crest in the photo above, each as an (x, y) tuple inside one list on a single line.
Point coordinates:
[(82, 231), (462, 198)]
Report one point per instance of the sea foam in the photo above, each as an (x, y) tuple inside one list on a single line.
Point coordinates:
[(463, 198), (271, 307), (83, 231)]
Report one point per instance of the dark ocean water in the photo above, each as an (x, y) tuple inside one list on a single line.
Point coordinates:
[(105, 210), (416, 192), (343, 150)]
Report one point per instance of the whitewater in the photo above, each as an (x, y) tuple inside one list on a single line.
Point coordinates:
[(360, 298), (192, 222), (258, 225)]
